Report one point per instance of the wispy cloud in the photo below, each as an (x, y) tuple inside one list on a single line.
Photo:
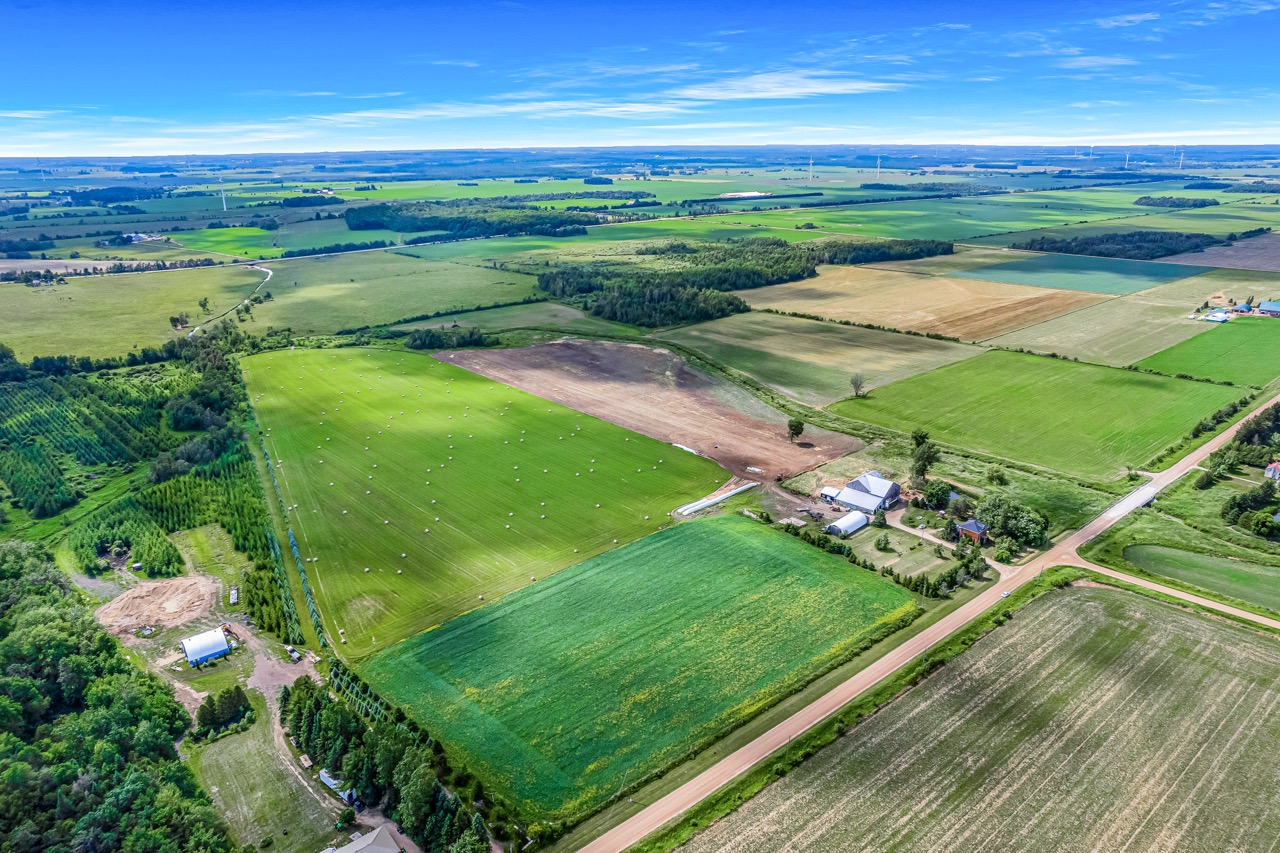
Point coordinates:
[(29, 114), (1094, 63), (771, 85), (1127, 20)]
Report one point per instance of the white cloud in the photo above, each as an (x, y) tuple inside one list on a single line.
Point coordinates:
[(782, 84), (29, 114), (1127, 20), (1094, 63)]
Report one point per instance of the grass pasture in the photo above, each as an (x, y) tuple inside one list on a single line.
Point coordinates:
[(1237, 578), (1068, 416), (1245, 351), (1095, 720), (326, 293), (560, 694), (1111, 276), (479, 487), (812, 360), (957, 307), (110, 315)]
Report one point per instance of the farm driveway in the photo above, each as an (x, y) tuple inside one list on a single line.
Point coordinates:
[(658, 814)]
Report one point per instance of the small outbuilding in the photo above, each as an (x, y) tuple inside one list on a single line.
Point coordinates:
[(974, 529), (1242, 308), (202, 648), (1273, 471), (851, 523)]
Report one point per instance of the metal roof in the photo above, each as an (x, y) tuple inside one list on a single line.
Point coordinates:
[(202, 645), (849, 523), (974, 526), (858, 500), (872, 483)]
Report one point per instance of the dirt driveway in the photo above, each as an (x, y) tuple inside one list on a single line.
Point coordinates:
[(656, 393)]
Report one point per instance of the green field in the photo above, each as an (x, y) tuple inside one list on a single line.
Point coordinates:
[(325, 294), (1245, 351), (1095, 720), (1072, 417), (812, 360), (1219, 221), (520, 316), (1241, 579), (602, 675), (479, 486), (1081, 272), (111, 315)]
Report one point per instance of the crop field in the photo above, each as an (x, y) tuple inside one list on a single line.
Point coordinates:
[(1245, 351), (446, 485), (257, 243), (961, 308), (1242, 579), (963, 258), (1095, 720), (812, 360), (1079, 272), (110, 315), (1068, 416), (610, 671), (1219, 221), (331, 292), (520, 316)]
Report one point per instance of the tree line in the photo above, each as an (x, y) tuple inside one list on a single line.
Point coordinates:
[(1175, 201), (461, 221), (1131, 245)]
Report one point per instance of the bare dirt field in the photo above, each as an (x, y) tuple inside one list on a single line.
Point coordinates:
[(161, 604), (656, 393), (1095, 720), (967, 309), (1256, 253)]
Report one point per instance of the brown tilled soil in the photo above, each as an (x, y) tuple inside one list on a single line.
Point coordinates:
[(1256, 253), (656, 393), (163, 604)]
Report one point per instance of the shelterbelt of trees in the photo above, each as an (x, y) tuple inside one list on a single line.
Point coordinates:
[(697, 290), (87, 753), (466, 220)]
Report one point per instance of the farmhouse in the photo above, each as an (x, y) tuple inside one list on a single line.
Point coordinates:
[(378, 841), (974, 529), (1269, 309), (868, 493), (1273, 471), (210, 645), (851, 523)]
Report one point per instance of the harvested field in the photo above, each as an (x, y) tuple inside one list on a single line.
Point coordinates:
[(1256, 253), (1096, 720), (812, 360), (1117, 332), (163, 604), (962, 308), (656, 393)]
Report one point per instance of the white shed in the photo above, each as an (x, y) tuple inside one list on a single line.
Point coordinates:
[(206, 646), (851, 523)]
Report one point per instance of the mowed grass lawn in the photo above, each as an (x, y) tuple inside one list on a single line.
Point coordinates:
[(614, 669), (1079, 272), (1245, 351), (1068, 416), (479, 486), (813, 360), (1095, 720)]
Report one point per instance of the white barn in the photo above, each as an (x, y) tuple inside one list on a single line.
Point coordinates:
[(206, 646)]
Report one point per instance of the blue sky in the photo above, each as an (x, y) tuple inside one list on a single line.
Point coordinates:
[(150, 78)]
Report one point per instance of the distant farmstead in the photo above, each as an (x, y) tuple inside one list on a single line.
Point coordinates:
[(202, 648)]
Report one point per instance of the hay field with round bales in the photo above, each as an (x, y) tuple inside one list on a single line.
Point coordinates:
[(1068, 416), (813, 360), (603, 674), (1095, 720), (419, 487), (956, 307), (1245, 351)]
